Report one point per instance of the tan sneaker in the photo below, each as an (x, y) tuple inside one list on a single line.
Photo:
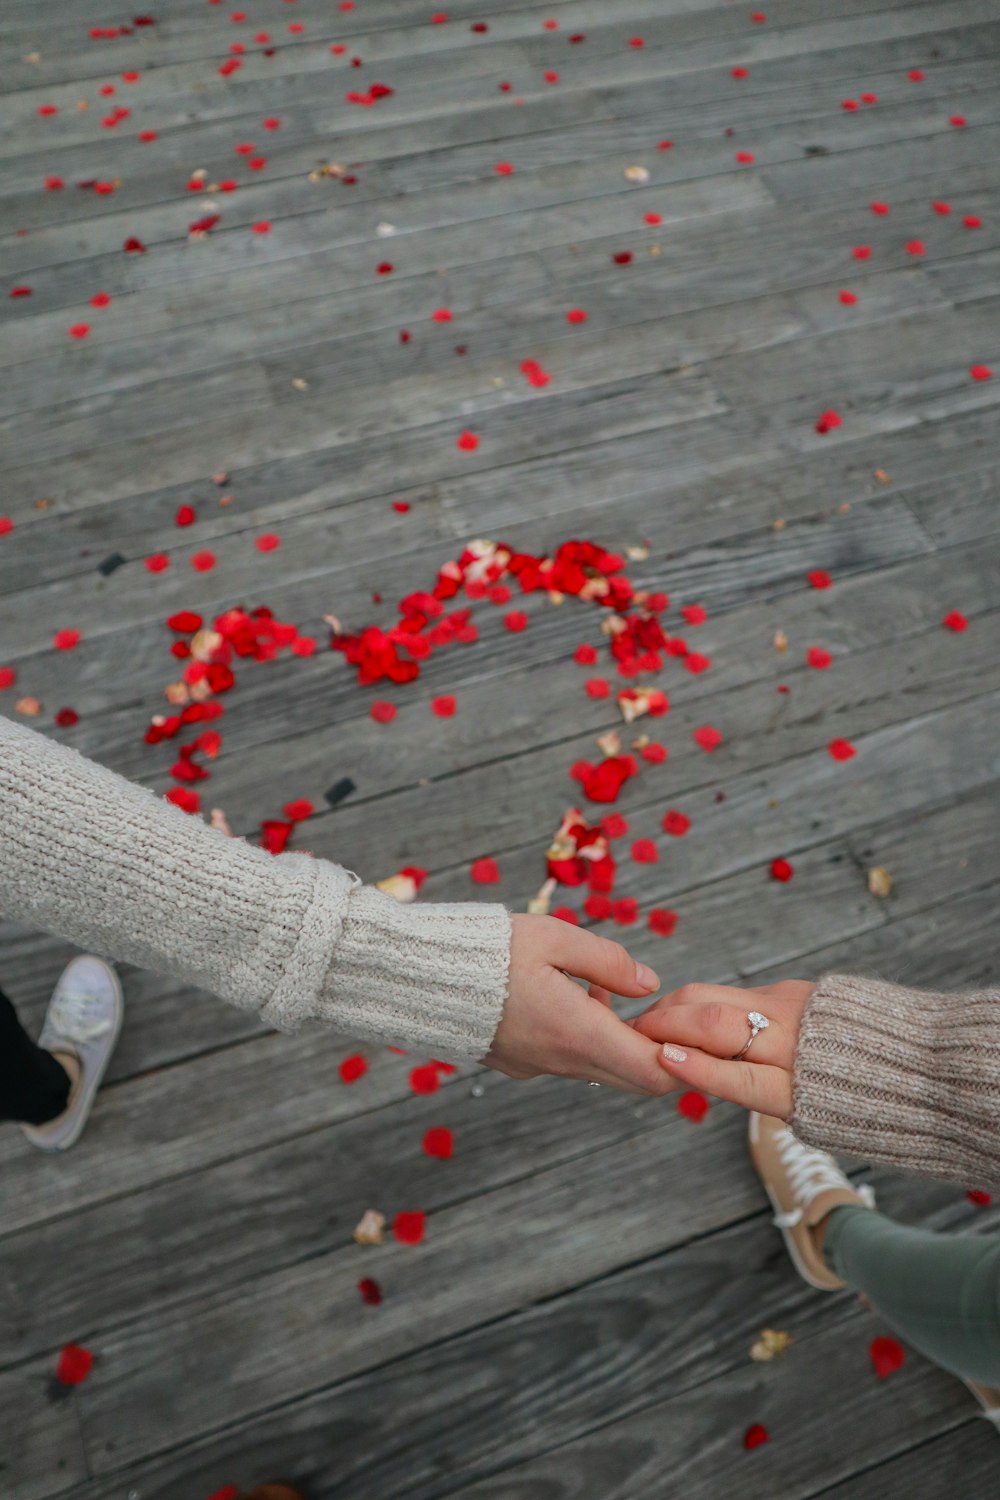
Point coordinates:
[(803, 1186)]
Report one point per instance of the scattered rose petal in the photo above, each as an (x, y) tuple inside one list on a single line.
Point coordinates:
[(645, 852), (707, 737), (955, 620), (484, 871), (409, 1227), (755, 1436), (662, 921), (819, 578), (887, 1356), (467, 442), (371, 1292), (439, 1142), (781, 870), (693, 1106), (353, 1068), (74, 1364), (981, 372), (818, 658), (444, 706), (841, 749), (66, 640), (980, 1198)]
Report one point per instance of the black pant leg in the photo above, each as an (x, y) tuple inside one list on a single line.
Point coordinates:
[(34, 1088)]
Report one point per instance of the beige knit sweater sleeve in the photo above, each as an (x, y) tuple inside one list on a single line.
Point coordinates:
[(906, 1077), (113, 868)]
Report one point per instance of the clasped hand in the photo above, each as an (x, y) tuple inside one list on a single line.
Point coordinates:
[(553, 1025)]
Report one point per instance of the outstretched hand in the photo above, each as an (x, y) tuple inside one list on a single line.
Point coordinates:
[(705, 1025), (552, 1025)]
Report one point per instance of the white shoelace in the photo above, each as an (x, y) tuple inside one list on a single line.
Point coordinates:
[(79, 1017), (809, 1174)]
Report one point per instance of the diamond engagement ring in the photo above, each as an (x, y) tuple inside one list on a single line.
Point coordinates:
[(756, 1022)]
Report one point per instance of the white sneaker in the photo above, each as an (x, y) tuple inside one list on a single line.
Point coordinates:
[(84, 1020), (803, 1186)]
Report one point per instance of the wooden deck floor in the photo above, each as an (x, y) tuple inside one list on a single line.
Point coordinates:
[(577, 1322)]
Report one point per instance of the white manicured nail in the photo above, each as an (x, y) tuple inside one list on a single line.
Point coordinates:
[(674, 1054)]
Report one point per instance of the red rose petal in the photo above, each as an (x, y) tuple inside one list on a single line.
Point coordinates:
[(203, 562), (8, 677), (598, 687), (981, 372), (782, 870), (955, 620), (484, 871), (693, 1106), (819, 578), (957, 120), (862, 252), (79, 330), (185, 622), (676, 823), (425, 1080), (915, 247), (972, 221), (755, 1436), (745, 157), (645, 852), (979, 1198), (625, 911), (353, 1068), (585, 655), (707, 737), (66, 718), (409, 1227), (887, 1356), (818, 658), (694, 614), (444, 706), (439, 1142), (517, 620), (268, 541), (504, 168), (614, 826), (371, 1295), (662, 921), (185, 515), (74, 1365), (66, 640), (566, 914), (299, 810), (849, 299), (383, 713), (6, 525), (576, 315), (880, 208), (467, 442), (828, 420), (841, 749)]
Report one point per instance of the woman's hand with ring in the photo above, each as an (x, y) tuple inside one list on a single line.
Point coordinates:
[(701, 1028)]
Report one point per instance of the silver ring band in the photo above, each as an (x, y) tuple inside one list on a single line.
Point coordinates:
[(757, 1023)]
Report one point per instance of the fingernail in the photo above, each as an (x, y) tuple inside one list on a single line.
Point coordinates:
[(674, 1054), (646, 977)]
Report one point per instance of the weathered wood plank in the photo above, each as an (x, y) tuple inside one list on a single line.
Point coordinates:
[(42, 1451), (513, 1389), (938, 854), (695, 1439), (948, 947)]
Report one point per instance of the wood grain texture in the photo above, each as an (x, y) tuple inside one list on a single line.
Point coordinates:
[(578, 1319)]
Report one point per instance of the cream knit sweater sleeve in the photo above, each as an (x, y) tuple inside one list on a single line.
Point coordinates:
[(906, 1077), (113, 868)]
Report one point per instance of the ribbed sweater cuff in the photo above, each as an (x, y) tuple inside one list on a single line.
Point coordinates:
[(433, 977), (906, 1077)]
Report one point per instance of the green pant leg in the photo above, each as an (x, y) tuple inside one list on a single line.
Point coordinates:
[(940, 1292)]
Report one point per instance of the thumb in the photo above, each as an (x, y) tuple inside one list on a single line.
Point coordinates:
[(600, 961)]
